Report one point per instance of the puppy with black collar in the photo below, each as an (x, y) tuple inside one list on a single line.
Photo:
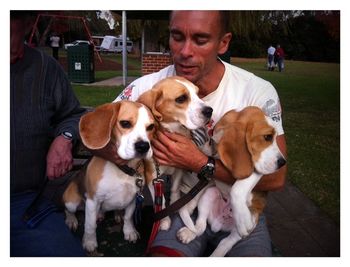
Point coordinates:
[(130, 126)]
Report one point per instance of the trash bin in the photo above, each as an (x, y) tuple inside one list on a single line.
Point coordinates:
[(81, 65)]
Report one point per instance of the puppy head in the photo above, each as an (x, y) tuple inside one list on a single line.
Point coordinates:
[(129, 125), (262, 145), (174, 100), (246, 141)]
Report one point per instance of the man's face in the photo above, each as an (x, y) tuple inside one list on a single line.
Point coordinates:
[(195, 41)]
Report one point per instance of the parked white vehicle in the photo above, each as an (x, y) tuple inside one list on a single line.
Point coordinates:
[(76, 42), (115, 44)]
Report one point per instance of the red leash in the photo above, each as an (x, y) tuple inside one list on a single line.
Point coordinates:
[(158, 201)]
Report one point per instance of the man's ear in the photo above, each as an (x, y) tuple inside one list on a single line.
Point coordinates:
[(95, 127), (150, 99), (224, 43)]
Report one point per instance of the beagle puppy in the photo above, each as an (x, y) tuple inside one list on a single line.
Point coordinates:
[(246, 145), (130, 126), (177, 108)]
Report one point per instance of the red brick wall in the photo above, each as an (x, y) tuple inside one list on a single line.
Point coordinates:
[(153, 62)]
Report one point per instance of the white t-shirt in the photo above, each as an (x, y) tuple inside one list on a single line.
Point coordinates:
[(55, 41), (237, 90), (271, 50)]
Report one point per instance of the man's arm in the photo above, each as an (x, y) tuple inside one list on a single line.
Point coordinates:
[(178, 151), (66, 118)]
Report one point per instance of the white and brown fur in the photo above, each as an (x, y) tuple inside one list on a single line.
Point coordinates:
[(177, 108), (130, 126), (246, 145)]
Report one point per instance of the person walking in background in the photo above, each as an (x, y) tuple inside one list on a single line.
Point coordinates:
[(279, 57), (55, 45), (270, 58)]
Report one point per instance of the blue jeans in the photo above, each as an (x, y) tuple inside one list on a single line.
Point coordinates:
[(257, 244), (51, 237)]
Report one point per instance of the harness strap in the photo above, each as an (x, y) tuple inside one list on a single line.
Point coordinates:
[(182, 201), (158, 201)]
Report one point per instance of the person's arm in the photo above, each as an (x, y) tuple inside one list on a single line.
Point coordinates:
[(66, 118), (59, 159), (178, 151), (175, 150)]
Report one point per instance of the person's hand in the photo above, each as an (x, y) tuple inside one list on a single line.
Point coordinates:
[(175, 150), (109, 152), (59, 159)]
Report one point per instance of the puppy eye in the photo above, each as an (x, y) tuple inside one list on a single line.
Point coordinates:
[(268, 137), (181, 99), (150, 127), (125, 124)]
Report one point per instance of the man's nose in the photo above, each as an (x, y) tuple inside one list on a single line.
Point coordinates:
[(187, 49)]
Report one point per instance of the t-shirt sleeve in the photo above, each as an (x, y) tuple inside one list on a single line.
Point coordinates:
[(133, 91), (268, 100), (129, 93)]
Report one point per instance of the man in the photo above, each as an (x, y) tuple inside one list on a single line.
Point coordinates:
[(279, 57), (196, 40), (44, 124), (55, 45), (270, 58)]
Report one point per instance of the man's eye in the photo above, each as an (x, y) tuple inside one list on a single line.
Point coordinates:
[(125, 124), (181, 99), (176, 36), (150, 127), (201, 41), (268, 137)]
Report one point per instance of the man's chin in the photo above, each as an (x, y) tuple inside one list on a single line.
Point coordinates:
[(188, 76)]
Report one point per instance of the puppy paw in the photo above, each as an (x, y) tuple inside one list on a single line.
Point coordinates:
[(89, 242), (245, 223), (165, 224), (72, 222), (185, 235), (131, 236)]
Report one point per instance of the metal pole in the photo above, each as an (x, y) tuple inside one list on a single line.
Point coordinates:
[(35, 26), (124, 34)]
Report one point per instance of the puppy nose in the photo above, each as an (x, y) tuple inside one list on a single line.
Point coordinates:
[(207, 111), (142, 147), (281, 162)]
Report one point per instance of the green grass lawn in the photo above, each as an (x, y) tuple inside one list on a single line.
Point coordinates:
[(93, 96), (310, 97)]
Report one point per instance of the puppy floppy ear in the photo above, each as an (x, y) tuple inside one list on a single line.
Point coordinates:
[(96, 126), (150, 99), (233, 151)]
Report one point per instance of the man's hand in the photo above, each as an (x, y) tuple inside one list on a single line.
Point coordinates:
[(175, 150), (59, 159), (109, 152)]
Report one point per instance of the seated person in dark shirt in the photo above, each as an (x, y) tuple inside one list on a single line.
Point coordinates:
[(44, 117)]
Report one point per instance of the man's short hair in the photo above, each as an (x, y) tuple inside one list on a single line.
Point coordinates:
[(224, 20)]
